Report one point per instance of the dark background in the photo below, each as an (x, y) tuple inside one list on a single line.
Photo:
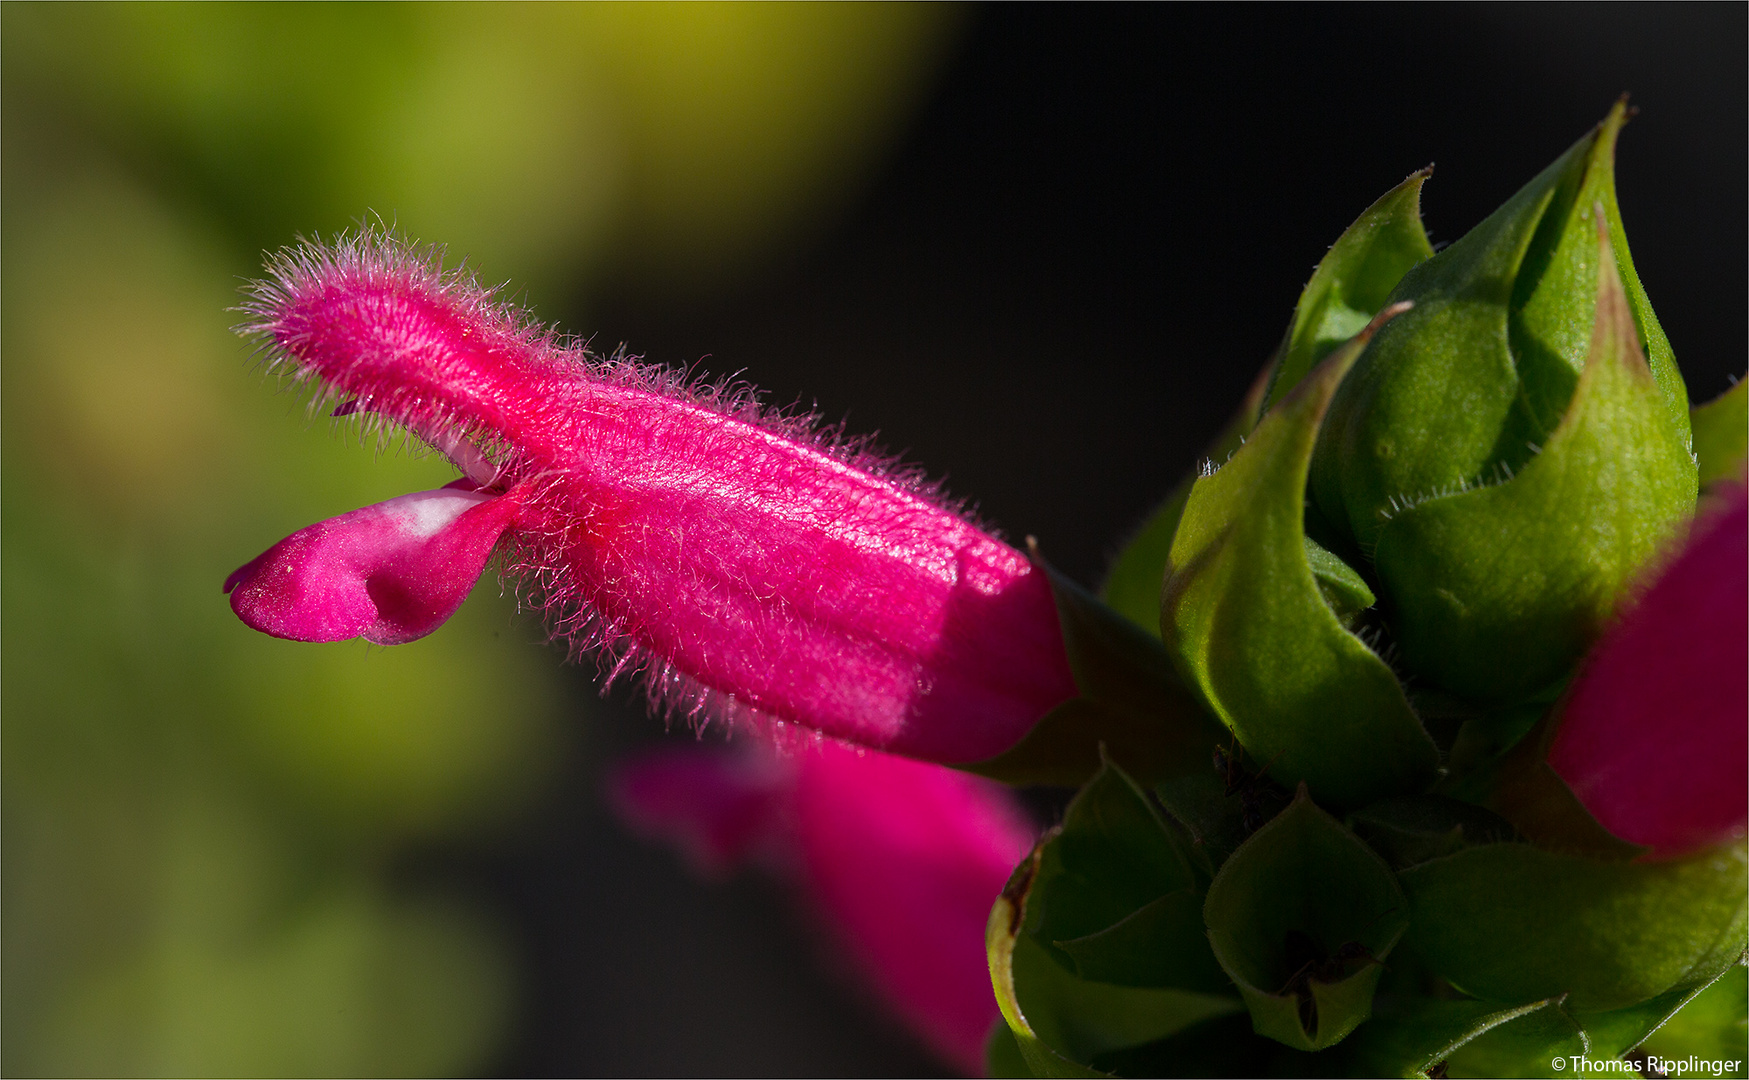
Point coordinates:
[(1091, 236)]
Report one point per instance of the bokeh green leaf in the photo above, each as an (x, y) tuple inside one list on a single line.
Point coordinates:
[(1721, 433)]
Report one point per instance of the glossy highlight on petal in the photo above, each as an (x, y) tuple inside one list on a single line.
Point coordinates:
[(902, 859), (1655, 731), (756, 568), (389, 573)]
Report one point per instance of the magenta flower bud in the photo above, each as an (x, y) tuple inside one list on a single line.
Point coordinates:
[(757, 568), (1655, 730), (900, 858)]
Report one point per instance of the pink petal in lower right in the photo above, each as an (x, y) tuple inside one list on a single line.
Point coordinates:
[(1654, 737)]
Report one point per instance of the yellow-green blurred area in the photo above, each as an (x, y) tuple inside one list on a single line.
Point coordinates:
[(200, 822)]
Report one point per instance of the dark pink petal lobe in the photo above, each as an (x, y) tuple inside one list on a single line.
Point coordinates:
[(902, 859), (907, 859), (389, 573), (717, 807), (1655, 732)]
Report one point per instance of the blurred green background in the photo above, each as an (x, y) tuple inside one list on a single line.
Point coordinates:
[(201, 824)]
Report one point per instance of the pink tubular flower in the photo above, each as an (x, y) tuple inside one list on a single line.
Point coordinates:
[(901, 858), (757, 568), (1656, 728)]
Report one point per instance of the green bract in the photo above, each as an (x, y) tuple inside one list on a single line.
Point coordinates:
[(1098, 943), (1347, 289), (1246, 618), (1353, 282), (1510, 923)]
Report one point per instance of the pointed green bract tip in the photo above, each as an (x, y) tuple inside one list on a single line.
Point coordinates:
[(1353, 282), (1349, 287)]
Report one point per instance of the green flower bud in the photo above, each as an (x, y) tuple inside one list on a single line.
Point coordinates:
[(1450, 471), (1506, 483)]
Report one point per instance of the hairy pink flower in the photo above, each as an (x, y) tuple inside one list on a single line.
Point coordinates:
[(902, 859), (758, 568), (1655, 731)]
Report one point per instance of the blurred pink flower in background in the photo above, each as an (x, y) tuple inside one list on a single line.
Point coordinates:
[(901, 859), (756, 568), (1655, 730)]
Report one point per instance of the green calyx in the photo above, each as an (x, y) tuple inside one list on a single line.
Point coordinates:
[(1132, 708)]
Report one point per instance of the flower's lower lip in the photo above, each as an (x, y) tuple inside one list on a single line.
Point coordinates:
[(389, 573), (464, 455)]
